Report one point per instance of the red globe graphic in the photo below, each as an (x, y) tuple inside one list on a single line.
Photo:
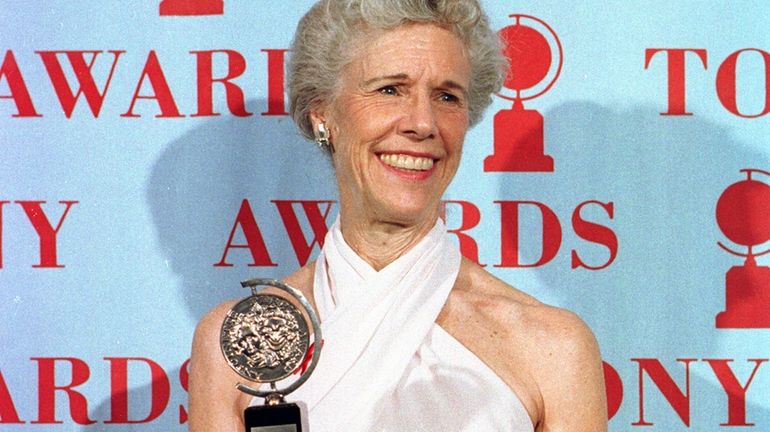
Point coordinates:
[(743, 212), (529, 56)]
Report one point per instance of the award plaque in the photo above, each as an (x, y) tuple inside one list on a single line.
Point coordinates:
[(265, 338)]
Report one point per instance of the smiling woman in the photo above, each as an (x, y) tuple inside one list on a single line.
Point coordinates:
[(415, 337), (401, 102)]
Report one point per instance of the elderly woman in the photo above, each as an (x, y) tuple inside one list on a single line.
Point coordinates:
[(415, 336)]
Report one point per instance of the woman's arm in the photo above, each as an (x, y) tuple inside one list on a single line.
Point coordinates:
[(571, 380), (214, 402)]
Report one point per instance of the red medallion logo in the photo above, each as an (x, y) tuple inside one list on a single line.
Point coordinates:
[(518, 132), (743, 215), (191, 7)]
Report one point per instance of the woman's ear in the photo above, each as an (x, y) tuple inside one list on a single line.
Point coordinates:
[(321, 127), (318, 115), (316, 118)]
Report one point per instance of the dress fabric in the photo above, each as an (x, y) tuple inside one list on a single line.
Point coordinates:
[(385, 364)]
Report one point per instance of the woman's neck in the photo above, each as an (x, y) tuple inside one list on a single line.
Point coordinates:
[(380, 243)]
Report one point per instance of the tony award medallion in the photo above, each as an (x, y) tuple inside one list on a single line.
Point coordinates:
[(266, 339)]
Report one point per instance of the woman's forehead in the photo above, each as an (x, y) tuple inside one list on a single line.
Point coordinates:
[(411, 50)]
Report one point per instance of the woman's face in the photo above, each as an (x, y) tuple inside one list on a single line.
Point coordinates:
[(398, 124)]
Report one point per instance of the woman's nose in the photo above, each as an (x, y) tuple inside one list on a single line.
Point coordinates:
[(420, 119)]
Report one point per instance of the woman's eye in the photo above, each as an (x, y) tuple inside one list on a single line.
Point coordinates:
[(449, 97), (389, 90)]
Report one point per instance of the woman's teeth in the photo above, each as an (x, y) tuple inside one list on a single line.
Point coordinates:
[(407, 162)]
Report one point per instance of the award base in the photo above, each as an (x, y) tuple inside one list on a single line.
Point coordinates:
[(518, 142), (747, 298), (515, 162), (284, 417)]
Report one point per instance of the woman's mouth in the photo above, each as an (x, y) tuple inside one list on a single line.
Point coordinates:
[(407, 162)]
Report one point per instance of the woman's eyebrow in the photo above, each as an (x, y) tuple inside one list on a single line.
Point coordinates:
[(401, 76), (449, 84)]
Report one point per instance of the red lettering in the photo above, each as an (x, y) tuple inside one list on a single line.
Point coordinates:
[(45, 231), (317, 219), (509, 236), (276, 102), (47, 390), (86, 85), (594, 233), (161, 91), (191, 7), (159, 394), (470, 218), (676, 75), (236, 65), (2, 203), (8, 414), (736, 393), (254, 241), (727, 81), (184, 380), (679, 401), (614, 387), (19, 93)]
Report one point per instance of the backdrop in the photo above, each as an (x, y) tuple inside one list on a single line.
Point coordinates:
[(148, 165)]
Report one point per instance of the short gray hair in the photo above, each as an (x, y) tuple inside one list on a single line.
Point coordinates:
[(323, 46)]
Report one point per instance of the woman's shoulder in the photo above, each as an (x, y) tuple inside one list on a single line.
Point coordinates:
[(544, 353), (479, 296), (211, 323), (214, 403), (301, 279)]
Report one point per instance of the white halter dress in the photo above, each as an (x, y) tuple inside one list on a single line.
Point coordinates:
[(385, 364)]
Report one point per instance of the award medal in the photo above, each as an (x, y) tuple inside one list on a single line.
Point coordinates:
[(265, 338)]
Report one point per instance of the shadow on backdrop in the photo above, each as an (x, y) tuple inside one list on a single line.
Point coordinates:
[(194, 191)]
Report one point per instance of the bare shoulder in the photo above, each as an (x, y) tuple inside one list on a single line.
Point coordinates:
[(215, 404), (302, 280), (487, 300), (206, 339), (211, 323), (547, 355)]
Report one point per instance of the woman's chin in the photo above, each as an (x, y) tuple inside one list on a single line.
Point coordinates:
[(411, 213)]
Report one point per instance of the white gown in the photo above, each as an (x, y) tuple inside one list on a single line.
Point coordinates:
[(448, 388), (385, 364)]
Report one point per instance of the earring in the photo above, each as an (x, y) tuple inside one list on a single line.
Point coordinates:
[(322, 136)]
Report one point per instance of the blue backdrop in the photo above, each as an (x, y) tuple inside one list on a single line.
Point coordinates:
[(107, 295)]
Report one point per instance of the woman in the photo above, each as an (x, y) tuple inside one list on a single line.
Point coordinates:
[(415, 337)]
